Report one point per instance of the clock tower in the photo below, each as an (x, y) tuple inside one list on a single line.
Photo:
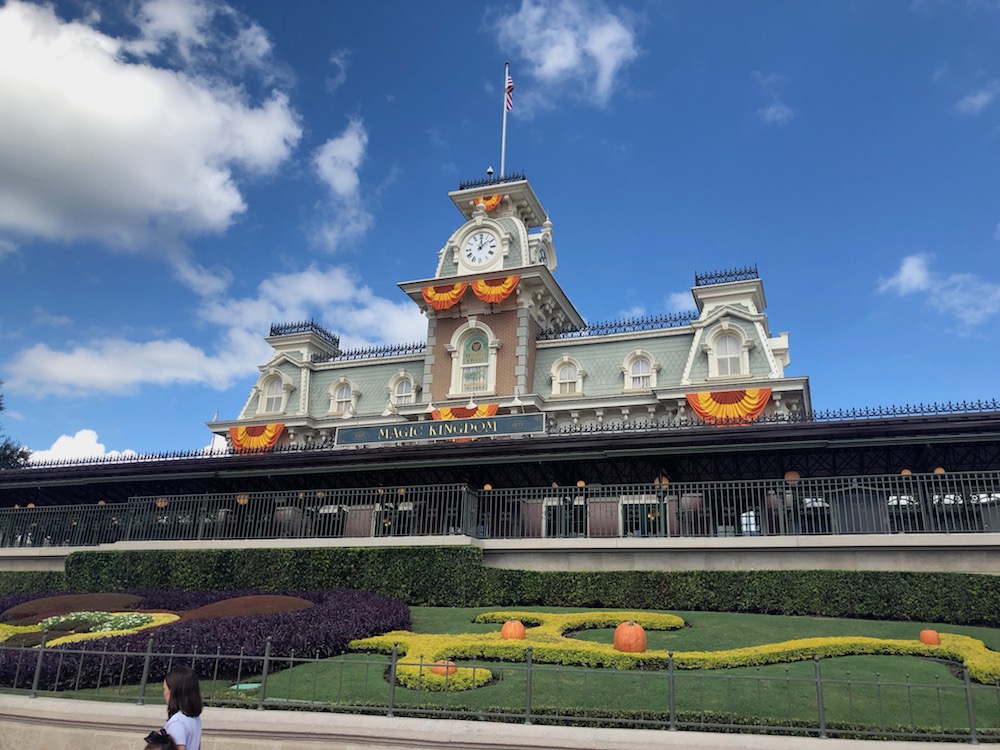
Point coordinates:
[(492, 293)]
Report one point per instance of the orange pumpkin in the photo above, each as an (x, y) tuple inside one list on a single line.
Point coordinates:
[(512, 630), (930, 637), (630, 638), (444, 667)]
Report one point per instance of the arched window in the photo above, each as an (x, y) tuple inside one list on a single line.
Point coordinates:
[(728, 350), (640, 371), (343, 398), (273, 396), (473, 351), (567, 377), (402, 389), (475, 362), (404, 392), (727, 355), (274, 387)]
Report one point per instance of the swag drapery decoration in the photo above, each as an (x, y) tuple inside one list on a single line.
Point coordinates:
[(488, 290), (445, 296), (255, 437), (489, 202), (461, 412), (495, 290), (729, 407)]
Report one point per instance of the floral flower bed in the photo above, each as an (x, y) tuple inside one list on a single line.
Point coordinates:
[(546, 636), (334, 618)]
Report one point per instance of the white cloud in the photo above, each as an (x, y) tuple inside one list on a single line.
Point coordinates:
[(679, 302), (7, 248), (81, 445), (340, 60), (964, 296), (777, 112), (636, 311), (117, 366), (569, 43), (96, 143), (912, 276), (976, 101), (337, 163)]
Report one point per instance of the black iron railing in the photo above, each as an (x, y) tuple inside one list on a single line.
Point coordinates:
[(722, 277), (966, 502), (626, 325), (491, 180), (305, 326), (372, 352)]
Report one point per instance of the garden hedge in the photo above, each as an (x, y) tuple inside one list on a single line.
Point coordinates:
[(456, 576), (30, 581)]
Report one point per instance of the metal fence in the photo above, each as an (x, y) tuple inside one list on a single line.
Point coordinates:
[(888, 504), (799, 698)]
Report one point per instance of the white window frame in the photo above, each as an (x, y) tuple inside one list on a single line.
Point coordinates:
[(555, 375), (744, 344), (455, 348), (398, 380), (627, 370), (266, 383), (341, 406)]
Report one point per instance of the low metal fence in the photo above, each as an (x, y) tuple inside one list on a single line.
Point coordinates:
[(814, 698), (966, 502)]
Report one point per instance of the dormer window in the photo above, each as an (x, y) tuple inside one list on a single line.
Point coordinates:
[(567, 377), (273, 395), (727, 355), (343, 398), (274, 388), (402, 389), (640, 371), (728, 349)]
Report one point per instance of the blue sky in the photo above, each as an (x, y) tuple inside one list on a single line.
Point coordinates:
[(176, 175)]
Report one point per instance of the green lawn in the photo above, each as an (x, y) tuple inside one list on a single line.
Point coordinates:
[(858, 690), (873, 690)]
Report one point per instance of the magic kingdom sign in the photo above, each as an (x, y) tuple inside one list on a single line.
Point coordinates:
[(461, 429)]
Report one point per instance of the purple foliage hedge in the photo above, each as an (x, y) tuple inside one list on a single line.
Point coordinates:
[(338, 617)]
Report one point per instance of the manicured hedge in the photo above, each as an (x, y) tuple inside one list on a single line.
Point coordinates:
[(29, 581), (456, 576)]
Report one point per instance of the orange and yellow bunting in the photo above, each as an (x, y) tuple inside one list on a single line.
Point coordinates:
[(460, 412), (729, 407), (255, 437), (489, 202), (443, 297), (495, 290)]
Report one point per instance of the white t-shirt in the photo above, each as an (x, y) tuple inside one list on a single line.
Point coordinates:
[(186, 730)]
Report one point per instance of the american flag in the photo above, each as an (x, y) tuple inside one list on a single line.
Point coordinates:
[(509, 93)]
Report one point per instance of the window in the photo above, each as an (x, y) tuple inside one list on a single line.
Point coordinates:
[(727, 355), (640, 374), (567, 377), (475, 363), (402, 389), (274, 395), (640, 371), (404, 392), (728, 349), (343, 398), (273, 389), (473, 350)]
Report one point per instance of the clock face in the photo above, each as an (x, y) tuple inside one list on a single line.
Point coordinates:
[(480, 248)]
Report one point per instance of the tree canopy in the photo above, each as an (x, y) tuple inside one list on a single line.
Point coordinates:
[(12, 454)]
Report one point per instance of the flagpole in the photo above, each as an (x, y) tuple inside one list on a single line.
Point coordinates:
[(503, 132)]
